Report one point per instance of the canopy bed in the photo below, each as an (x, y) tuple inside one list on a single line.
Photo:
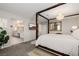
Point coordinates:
[(59, 43), (49, 19)]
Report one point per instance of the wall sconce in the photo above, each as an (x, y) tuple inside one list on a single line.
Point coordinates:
[(32, 26)]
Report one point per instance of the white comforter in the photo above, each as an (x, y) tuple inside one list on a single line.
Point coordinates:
[(62, 43)]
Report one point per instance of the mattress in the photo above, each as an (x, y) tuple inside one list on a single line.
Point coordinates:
[(62, 43)]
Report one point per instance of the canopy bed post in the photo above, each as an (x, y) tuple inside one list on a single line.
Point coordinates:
[(59, 4), (36, 25), (37, 30), (48, 26), (48, 20), (38, 14)]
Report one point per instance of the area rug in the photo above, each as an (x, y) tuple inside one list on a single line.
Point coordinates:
[(40, 52)]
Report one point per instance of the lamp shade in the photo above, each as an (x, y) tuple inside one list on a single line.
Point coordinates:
[(74, 27)]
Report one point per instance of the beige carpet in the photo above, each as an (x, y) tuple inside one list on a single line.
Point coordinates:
[(40, 52), (21, 49)]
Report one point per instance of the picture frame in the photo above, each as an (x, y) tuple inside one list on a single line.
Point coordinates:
[(55, 26)]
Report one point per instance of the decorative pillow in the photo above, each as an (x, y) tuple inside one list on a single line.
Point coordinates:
[(75, 34)]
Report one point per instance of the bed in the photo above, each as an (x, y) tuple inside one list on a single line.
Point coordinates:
[(67, 44)]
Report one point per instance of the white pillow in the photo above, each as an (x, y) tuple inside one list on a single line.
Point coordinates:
[(75, 34)]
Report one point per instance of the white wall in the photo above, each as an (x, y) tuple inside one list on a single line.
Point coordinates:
[(43, 29), (67, 24), (42, 24), (28, 35)]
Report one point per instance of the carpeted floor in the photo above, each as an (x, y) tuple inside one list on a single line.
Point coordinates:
[(40, 52), (24, 49), (21, 49)]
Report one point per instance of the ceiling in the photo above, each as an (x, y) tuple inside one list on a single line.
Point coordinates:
[(66, 9), (27, 10)]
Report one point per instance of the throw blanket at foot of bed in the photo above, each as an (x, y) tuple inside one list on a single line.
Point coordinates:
[(63, 43)]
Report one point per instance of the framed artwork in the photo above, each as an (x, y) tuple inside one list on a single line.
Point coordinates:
[(55, 26)]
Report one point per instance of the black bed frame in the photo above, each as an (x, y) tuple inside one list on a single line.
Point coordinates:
[(52, 51), (39, 14)]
